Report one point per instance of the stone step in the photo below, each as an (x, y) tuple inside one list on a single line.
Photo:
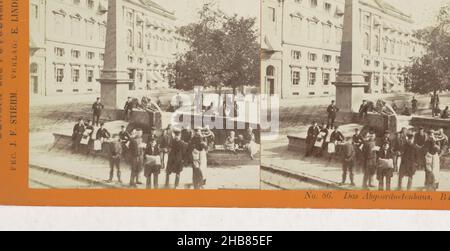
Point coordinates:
[(217, 157)]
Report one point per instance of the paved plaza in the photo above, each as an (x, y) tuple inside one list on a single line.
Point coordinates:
[(52, 115)]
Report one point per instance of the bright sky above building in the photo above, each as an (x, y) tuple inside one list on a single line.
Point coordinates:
[(186, 10), (424, 12)]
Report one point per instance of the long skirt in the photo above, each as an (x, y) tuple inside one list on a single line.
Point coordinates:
[(253, 148), (200, 165), (433, 169)]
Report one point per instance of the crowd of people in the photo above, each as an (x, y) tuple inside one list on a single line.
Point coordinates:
[(381, 157), (170, 149)]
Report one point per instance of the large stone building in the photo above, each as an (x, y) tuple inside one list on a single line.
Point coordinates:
[(67, 43), (302, 45)]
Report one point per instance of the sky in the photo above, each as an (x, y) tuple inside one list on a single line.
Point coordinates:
[(186, 10), (424, 12)]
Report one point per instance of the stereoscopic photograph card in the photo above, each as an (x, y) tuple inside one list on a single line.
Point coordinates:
[(225, 103)]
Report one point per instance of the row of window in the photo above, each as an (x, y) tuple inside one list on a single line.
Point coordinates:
[(153, 43), (312, 78), (76, 54), (312, 57), (89, 29), (88, 3), (75, 75), (325, 32), (314, 4)]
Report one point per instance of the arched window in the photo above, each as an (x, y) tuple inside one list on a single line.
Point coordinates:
[(270, 71), (367, 41), (377, 44), (33, 68), (130, 38), (270, 80), (139, 40)]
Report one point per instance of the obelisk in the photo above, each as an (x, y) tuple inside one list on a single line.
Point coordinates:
[(115, 79), (350, 81)]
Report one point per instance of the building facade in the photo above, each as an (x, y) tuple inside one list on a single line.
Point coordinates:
[(302, 45), (67, 43)]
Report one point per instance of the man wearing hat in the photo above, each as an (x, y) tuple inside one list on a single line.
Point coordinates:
[(152, 167), (137, 157), (370, 160), (385, 168), (128, 109), (408, 164), (115, 152), (311, 138), (175, 161), (77, 135), (125, 138), (332, 113), (97, 109), (419, 140), (165, 142), (348, 163)]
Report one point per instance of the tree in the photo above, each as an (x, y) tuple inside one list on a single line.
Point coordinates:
[(222, 52), (431, 72)]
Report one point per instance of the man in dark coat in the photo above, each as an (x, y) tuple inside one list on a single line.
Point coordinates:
[(124, 136), (97, 109), (408, 165), (137, 158), (370, 161), (332, 113), (115, 153), (311, 138), (165, 143), (152, 165), (385, 173), (358, 143), (348, 163), (77, 135), (419, 140), (363, 110), (102, 133), (175, 162), (401, 139), (128, 109)]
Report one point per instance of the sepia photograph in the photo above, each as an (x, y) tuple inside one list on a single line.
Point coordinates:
[(144, 94), (364, 94)]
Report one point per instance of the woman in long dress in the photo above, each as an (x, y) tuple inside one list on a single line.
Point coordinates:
[(252, 147), (433, 163), (199, 146)]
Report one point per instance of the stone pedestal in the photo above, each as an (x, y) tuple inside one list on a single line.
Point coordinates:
[(114, 93), (349, 96)]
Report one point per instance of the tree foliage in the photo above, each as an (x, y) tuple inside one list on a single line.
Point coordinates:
[(431, 72), (223, 51)]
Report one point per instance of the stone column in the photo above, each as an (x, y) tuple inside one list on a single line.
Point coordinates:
[(115, 79), (350, 82)]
